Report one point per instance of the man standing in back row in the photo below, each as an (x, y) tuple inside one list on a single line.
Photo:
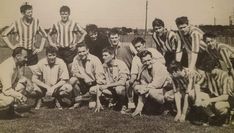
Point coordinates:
[(66, 31), (27, 28)]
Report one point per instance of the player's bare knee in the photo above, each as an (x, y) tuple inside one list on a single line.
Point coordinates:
[(93, 90), (121, 90), (73, 80)]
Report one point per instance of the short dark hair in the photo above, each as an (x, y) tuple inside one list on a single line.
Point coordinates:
[(91, 28), (114, 31), (174, 66), (51, 49), (209, 34), (109, 50), (81, 45), (144, 53), (65, 9), (18, 50), (137, 40), (182, 20), (25, 7), (158, 22)]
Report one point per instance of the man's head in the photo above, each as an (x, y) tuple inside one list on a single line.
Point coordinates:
[(158, 26), (108, 54), (183, 24), (65, 13), (51, 54), (146, 58), (176, 69), (82, 51), (92, 31), (20, 55), (139, 44), (26, 10), (114, 37), (209, 39)]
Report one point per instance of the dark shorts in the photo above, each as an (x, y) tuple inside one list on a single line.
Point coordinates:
[(67, 54), (84, 87), (32, 58), (231, 101), (169, 57)]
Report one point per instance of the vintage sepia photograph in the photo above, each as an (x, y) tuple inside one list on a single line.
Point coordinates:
[(110, 66)]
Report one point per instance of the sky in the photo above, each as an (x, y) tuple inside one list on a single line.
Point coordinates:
[(118, 13)]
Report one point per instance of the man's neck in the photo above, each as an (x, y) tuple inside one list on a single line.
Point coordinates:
[(27, 21)]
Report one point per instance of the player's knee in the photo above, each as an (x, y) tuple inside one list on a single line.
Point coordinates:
[(157, 95), (120, 90), (6, 102), (221, 108), (73, 80), (93, 90)]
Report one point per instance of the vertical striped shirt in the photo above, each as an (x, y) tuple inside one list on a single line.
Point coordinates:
[(167, 43), (222, 52), (66, 32), (219, 82), (26, 32), (193, 41)]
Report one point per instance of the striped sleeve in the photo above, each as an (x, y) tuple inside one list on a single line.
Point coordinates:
[(196, 38), (173, 40), (225, 55)]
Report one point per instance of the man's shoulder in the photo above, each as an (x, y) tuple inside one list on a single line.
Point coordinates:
[(8, 62), (195, 30), (94, 58)]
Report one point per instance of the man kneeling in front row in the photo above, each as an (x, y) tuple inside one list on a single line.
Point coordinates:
[(49, 78), (155, 82), (12, 83)]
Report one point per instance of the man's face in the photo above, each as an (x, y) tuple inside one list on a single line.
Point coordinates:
[(158, 30), (139, 47), (28, 14), (147, 61), (178, 73), (210, 41), (184, 28), (21, 59), (82, 53), (114, 39), (93, 35), (64, 16), (51, 58), (107, 57)]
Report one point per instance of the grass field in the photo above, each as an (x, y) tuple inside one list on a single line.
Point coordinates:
[(84, 120)]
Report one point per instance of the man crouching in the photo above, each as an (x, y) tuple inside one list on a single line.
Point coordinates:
[(49, 78), (155, 82), (116, 75), (12, 83)]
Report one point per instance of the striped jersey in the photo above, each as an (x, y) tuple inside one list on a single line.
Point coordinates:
[(65, 32), (26, 32), (167, 43), (222, 52), (219, 82), (193, 41)]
